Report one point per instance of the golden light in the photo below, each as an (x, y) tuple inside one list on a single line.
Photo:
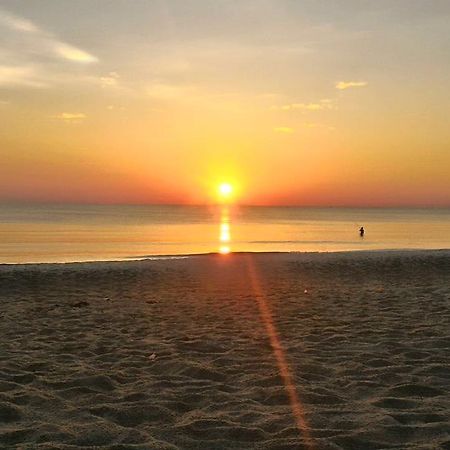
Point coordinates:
[(225, 190), (224, 232), (224, 249), (225, 236)]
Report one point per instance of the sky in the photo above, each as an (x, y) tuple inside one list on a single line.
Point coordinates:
[(311, 102)]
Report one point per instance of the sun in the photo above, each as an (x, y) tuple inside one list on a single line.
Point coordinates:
[(225, 190)]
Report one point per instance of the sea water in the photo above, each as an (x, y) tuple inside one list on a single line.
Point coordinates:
[(65, 233)]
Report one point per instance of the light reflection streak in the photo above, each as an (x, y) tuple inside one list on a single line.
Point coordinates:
[(274, 339), (279, 353), (224, 249)]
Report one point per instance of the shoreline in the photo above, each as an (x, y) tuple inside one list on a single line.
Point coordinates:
[(169, 257)]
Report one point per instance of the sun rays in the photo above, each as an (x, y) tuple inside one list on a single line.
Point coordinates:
[(279, 354)]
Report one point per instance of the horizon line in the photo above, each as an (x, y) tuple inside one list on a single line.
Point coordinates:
[(218, 204)]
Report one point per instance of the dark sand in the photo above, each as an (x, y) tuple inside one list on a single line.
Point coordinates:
[(175, 353)]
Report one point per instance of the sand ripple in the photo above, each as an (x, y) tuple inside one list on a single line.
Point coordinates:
[(174, 354)]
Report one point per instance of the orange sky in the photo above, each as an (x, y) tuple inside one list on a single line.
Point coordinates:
[(293, 103)]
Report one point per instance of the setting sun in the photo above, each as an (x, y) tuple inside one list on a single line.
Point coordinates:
[(225, 190)]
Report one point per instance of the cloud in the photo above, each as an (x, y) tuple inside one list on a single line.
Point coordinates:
[(166, 91), (73, 54), (115, 108), (324, 104), (341, 85), (45, 39), (20, 75), (17, 23), (317, 125), (312, 125), (112, 79), (70, 117), (36, 57), (284, 130)]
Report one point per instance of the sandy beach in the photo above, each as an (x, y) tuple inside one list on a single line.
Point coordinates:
[(240, 351)]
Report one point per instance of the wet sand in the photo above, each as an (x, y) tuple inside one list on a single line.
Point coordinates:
[(240, 351)]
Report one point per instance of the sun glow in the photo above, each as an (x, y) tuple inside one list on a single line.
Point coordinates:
[(225, 191), (224, 250)]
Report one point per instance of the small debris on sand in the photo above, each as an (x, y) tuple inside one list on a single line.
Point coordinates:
[(79, 304)]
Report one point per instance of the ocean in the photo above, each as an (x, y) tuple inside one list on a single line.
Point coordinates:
[(68, 233)]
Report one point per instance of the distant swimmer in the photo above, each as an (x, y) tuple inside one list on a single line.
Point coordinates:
[(361, 231)]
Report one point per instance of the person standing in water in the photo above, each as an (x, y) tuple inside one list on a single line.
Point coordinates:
[(361, 231)]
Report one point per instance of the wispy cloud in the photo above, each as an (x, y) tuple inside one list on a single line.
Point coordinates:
[(341, 85), (324, 104), (70, 117), (317, 125), (36, 57), (112, 79), (284, 130), (166, 91), (73, 54), (20, 75), (17, 23)]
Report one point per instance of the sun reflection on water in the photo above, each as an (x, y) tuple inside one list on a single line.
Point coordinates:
[(224, 249), (225, 233)]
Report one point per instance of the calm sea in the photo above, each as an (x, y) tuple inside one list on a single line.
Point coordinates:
[(62, 233)]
